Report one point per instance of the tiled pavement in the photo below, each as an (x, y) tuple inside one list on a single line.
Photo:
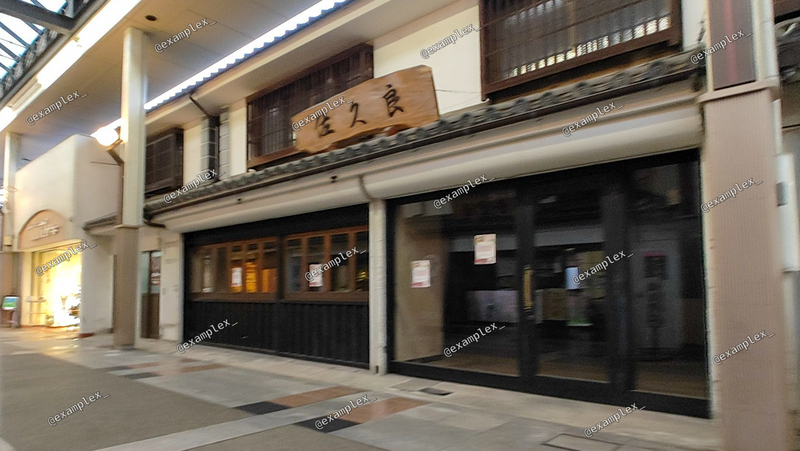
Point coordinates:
[(219, 399)]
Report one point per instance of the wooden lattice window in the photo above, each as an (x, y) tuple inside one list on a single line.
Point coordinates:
[(269, 133), (523, 40), (164, 162)]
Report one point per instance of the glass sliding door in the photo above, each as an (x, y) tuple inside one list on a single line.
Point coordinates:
[(456, 301), (590, 281), (667, 281), (570, 299)]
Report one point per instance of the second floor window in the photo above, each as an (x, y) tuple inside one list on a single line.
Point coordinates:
[(164, 162), (525, 40), (269, 126)]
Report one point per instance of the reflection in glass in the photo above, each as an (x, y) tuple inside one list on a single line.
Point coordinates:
[(236, 269), (251, 269), (667, 281), (339, 247), (362, 261), (269, 268), (221, 271), (294, 261), (461, 296), (570, 318), (316, 256), (202, 271)]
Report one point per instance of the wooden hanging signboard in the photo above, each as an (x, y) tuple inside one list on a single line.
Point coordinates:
[(400, 100)]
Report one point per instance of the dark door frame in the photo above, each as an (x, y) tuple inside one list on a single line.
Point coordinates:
[(148, 330)]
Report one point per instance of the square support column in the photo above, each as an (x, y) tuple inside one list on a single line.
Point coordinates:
[(744, 274), (377, 287), (134, 138)]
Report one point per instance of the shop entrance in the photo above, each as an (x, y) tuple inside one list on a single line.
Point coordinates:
[(566, 312), (150, 268), (590, 283), (56, 299)]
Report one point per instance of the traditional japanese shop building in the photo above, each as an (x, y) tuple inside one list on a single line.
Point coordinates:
[(625, 178), (597, 134), (629, 182)]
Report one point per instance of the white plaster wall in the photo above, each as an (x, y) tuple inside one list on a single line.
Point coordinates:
[(456, 67), (47, 183), (97, 181), (237, 129), (97, 282), (149, 239), (191, 151), (692, 15), (79, 180), (97, 186), (171, 299)]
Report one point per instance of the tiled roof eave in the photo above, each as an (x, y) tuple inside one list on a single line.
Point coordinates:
[(645, 76), (102, 221)]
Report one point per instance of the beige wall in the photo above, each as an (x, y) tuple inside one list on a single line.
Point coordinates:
[(419, 312), (237, 123), (79, 180), (191, 150), (744, 277), (456, 67)]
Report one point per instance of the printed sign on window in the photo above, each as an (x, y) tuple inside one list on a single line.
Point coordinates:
[(421, 274), (486, 249), (316, 276), (236, 277)]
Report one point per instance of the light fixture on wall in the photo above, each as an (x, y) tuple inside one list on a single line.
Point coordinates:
[(108, 136)]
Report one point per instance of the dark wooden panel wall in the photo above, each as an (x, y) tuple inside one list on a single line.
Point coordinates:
[(331, 331)]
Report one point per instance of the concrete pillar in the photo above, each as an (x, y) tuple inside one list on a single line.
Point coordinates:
[(9, 282), (10, 158), (133, 135), (377, 287), (745, 270)]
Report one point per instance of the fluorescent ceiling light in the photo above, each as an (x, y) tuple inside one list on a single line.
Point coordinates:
[(270, 36), (266, 38), (56, 67)]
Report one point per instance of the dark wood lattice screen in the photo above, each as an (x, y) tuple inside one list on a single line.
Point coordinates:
[(164, 162), (527, 39)]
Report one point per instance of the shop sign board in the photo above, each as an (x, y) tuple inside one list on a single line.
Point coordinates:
[(45, 227), (486, 249), (400, 100)]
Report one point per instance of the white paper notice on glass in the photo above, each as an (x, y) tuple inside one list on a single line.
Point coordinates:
[(570, 275), (316, 276), (421, 274), (236, 277), (485, 249)]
